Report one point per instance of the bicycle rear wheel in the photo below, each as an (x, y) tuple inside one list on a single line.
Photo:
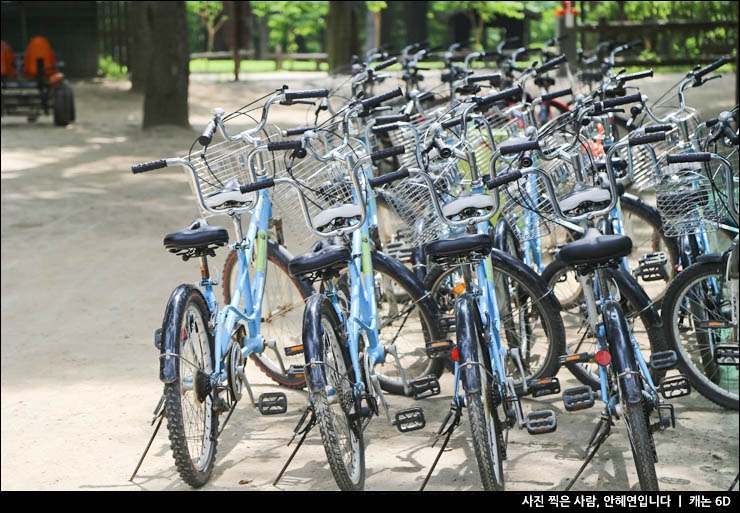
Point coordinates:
[(698, 299), (642, 446), (282, 308)]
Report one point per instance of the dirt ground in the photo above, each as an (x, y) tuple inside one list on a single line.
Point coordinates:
[(84, 285)]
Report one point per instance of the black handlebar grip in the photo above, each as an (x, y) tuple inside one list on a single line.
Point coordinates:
[(442, 149), (636, 76), (556, 94), (550, 64), (148, 166), (508, 149), (388, 127), (658, 128), (688, 157), (385, 64), (452, 122), (374, 101), (311, 93), (503, 179), (256, 186), (382, 120), (716, 64), (732, 136), (388, 152), (425, 96), (645, 139), (298, 131), (624, 100), (494, 78), (284, 145), (207, 136), (506, 93), (390, 177), (711, 122)]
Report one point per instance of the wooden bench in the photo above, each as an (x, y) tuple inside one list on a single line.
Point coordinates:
[(318, 58)]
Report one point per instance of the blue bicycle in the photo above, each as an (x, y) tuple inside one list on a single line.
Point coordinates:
[(204, 348)]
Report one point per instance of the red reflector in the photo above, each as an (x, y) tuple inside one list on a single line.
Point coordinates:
[(603, 358), (456, 355), (678, 268)]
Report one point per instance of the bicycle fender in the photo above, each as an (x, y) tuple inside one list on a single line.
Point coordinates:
[(312, 338), (467, 342), (712, 258), (168, 362), (411, 281), (546, 294), (499, 239), (620, 348)]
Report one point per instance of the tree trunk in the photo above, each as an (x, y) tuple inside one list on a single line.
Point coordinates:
[(415, 18), (387, 21), (342, 34), (166, 98), (140, 50), (263, 38)]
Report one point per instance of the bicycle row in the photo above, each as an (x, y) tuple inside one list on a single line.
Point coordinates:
[(466, 232)]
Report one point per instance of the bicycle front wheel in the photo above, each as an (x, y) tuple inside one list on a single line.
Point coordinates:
[(697, 314), (191, 421), (335, 408)]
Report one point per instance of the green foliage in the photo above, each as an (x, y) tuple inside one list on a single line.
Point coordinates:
[(374, 6), (481, 13), (210, 16), (109, 68), (289, 21)]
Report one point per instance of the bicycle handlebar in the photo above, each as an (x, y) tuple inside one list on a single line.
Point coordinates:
[(389, 177), (257, 186), (550, 65), (148, 166), (311, 93), (716, 64)]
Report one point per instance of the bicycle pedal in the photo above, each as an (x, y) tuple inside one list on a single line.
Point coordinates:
[(667, 420), (545, 386), (297, 371), (294, 350), (272, 403), (447, 323), (158, 338), (652, 267), (726, 354), (578, 398), (713, 325), (541, 422), (421, 388), (439, 348), (663, 360), (576, 358), (410, 419), (674, 386)]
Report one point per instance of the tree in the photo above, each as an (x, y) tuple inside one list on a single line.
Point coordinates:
[(166, 96), (342, 34), (211, 16), (481, 13), (415, 18), (293, 23), (139, 51)]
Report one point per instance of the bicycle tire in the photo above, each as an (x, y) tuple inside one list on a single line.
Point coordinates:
[(672, 309), (529, 286), (339, 376), (290, 289), (642, 446), (181, 397), (651, 337)]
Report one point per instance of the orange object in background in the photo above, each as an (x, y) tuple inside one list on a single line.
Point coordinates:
[(39, 48), (8, 60)]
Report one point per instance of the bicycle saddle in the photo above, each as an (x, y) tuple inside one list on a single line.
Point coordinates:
[(197, 235), (321, 256), (229, 194), (595, 248), (589, 199), (468, 244), (336, 215), (474, 201)]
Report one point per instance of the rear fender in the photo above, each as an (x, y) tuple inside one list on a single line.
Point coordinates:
[(312, 338), (620, 348)]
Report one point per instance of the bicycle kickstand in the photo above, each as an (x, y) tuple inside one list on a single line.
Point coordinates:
[(597, 438), (298, 430), (158, 414), (734, 482), (456, 411)]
